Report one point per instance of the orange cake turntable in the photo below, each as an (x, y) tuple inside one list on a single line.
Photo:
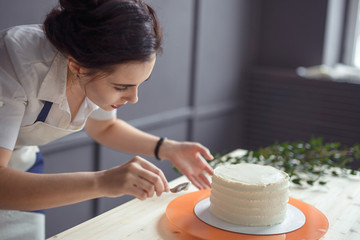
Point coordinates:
[(190, 214)]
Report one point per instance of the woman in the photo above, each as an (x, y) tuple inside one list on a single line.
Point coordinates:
[(73, 72)]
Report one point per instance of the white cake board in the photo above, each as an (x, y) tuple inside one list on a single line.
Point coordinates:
[(294, 220)]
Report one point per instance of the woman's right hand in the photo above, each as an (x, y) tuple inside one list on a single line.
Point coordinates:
[(137, 177)]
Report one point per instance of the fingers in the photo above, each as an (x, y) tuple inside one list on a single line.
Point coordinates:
[(194, 181), (198, 177), (152, 182), (155, 176), (190, 160), (205, 181), (139, 192), (137, 177), (206, 167), (205, 152), (150, 178), (143, 189), (200, 181)]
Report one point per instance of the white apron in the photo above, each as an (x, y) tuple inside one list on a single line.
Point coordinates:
[(19, 225)]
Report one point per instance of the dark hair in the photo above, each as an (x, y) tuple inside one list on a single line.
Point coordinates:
[(101, 33)]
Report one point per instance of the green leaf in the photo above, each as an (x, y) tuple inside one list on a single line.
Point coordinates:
[(310, 182), (296, 181)]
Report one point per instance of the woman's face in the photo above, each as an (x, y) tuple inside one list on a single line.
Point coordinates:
[(121, 86)]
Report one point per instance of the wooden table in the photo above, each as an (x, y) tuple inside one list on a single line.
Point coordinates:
[(339, 200)]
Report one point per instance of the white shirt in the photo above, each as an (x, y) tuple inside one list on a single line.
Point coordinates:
[(33, 71)]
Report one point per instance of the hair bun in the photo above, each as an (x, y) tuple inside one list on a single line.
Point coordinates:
[(79, 5), (99, 34)]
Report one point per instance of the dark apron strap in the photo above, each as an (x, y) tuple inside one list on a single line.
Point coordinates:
[(44, 112)]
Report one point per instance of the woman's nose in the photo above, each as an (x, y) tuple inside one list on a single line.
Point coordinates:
[(132, 97)]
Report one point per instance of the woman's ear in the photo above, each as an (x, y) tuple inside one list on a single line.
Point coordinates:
[(74, 67)]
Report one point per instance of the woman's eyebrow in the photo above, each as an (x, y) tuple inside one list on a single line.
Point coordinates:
[(124, 85), (129, 85)]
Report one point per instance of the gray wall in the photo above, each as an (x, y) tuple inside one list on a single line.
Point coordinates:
[(291, 33), (194, 92), (19, 12), (281, 106)]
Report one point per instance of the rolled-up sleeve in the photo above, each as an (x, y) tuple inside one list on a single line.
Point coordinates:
[(12, 108), (11, 114)]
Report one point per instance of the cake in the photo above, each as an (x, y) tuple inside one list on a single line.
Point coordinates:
[(249, 194)]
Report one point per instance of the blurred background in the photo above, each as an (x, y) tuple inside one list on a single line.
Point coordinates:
[(233, 74)]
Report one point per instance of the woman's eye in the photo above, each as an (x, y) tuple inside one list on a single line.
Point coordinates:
[(121, 88)]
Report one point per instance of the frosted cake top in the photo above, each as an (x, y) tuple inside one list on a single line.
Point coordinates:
[(252, 174)]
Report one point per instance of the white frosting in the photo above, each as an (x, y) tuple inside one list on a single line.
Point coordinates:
[(251, 174), (249, 194)]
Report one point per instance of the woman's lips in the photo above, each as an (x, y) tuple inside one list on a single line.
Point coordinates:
[(116, 106)]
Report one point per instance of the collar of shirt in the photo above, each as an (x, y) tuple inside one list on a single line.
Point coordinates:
[(53, 89)]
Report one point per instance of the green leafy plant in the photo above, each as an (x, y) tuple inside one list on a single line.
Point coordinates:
[(307, 163)]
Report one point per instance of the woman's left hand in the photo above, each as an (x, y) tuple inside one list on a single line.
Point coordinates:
[(188, 158)]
